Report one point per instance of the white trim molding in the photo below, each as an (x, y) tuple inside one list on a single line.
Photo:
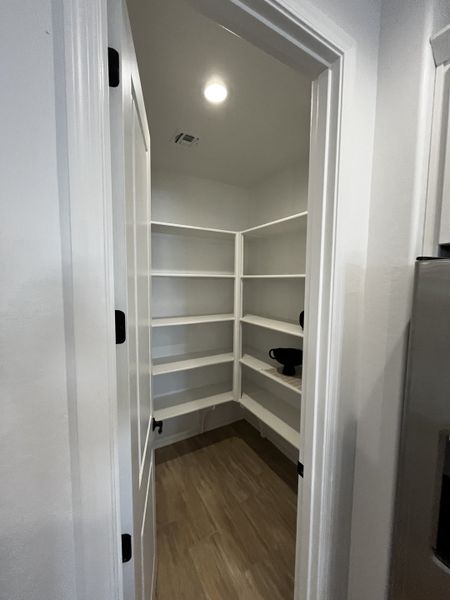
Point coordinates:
[(304, 38), (437, 214), (440, 45)]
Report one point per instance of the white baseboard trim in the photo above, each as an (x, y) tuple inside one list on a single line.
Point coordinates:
[(185, 435)]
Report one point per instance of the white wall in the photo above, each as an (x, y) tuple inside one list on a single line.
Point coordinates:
[(179, 198), (359, 20), (405, 88), (36, 525), (279, 195)]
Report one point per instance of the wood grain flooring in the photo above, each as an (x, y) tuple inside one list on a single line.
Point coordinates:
[(226, 518)]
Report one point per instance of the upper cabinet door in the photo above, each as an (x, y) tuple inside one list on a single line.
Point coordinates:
[(437, 222), (443, 157)]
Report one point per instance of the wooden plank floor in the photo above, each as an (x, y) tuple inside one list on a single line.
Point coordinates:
[(226, 518)]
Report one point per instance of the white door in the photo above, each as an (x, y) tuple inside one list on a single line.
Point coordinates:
[(130, 142)]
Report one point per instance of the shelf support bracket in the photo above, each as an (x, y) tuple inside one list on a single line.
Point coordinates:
[(203, 415)]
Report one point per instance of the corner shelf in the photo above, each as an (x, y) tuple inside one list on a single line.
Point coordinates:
[(179, 403), (194, 320), (263, 409), (282, 326), (192, 362), (281, 276), (268, 370), (289, 224), (193, 274), (177, 228), (279, 410)]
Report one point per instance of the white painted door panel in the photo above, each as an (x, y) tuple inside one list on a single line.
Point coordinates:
[(442, 150), (141, 189), (131, 191)]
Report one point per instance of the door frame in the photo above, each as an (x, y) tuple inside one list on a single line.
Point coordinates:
[(306, 40), (303, 37)]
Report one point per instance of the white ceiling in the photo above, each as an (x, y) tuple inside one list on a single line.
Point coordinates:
[(262, 127)]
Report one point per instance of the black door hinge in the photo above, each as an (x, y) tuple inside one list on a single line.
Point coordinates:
[(300, 468), (157, 425), (121, 329), (127, 551), (113, 67)]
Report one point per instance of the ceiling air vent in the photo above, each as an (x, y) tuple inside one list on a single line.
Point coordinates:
[(181, 138)]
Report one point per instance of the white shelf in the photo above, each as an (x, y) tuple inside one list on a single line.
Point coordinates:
[(195, 320), (185, 408), (263, 408), (162, 227), (193, 362), (193, 274), (289, 224), (292, 383), (282, 326), (282, 276)]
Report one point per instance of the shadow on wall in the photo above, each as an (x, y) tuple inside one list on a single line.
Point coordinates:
[(380, 418), (344, 463)]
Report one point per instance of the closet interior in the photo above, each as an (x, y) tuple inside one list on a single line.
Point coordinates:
[(221, 300), (228, 232)]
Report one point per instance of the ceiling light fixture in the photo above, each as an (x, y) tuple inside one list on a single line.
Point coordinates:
[(215, 91)]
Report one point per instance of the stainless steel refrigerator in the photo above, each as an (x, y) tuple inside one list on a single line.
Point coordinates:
[(421, 549)]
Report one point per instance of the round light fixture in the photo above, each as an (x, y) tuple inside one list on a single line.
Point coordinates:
[(215, 92)]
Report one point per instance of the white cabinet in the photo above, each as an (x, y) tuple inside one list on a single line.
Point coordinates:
[(437, 222), (444, 229)]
